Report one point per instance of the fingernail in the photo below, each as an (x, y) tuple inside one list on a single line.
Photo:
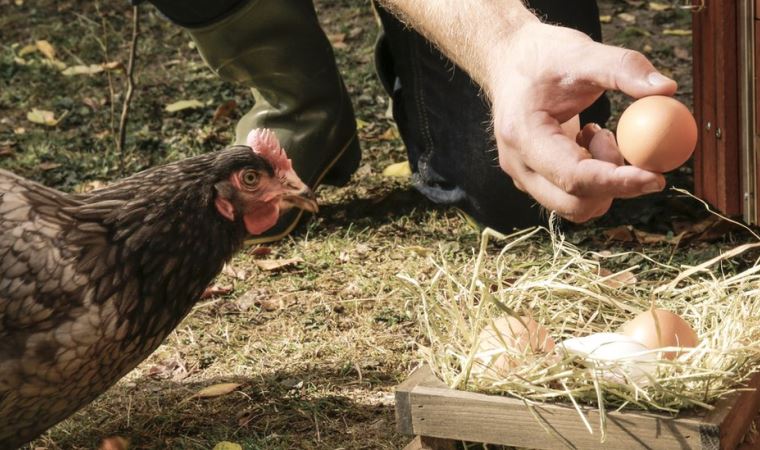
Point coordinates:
[(658, 79), (595, 127), (652, 187)]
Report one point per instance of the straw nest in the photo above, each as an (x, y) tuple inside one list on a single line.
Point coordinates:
[(571, 293)]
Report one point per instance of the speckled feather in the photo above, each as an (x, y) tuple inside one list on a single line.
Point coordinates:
[(91, 284)]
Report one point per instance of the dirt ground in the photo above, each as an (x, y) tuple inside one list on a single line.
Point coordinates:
[(318, 345)]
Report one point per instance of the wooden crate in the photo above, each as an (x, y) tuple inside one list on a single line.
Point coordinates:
[(440, 416)]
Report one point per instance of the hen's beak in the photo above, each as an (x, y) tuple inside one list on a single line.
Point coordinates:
[(303, 198)]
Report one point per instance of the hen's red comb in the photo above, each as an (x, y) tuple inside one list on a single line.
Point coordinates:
[(264, 142)]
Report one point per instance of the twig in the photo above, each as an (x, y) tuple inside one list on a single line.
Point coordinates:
[(104, 46), (130, 87)]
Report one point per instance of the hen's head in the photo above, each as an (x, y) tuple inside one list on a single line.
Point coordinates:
[(259, 183)]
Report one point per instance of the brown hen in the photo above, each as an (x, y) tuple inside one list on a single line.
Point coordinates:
[(91, 284)]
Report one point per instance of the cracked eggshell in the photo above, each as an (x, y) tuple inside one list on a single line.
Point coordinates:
[(606, 352), (504, 344)]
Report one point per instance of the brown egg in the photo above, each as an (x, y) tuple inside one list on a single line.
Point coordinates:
[(657, 133), (513, 338), (674, 331)]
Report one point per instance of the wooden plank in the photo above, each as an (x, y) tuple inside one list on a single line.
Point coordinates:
[(727, 113), (500, 420), (704, 75), (434, 410), (429, 443), (421, 375), (734, 414)]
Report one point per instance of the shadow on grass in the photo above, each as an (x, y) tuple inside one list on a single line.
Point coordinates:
[(309, 408)]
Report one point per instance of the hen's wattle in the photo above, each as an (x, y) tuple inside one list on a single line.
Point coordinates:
[(91, 284)]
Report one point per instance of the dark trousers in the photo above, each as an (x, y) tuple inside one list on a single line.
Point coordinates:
[(443, 119)]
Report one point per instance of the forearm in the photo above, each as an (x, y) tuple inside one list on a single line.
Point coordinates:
[(471, 33)]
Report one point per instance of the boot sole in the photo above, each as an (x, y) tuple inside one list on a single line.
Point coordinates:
[(265, 239)]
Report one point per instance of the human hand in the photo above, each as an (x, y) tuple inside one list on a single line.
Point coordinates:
[(540, 77)]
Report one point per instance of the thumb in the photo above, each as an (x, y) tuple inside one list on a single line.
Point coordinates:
[(621, 69)]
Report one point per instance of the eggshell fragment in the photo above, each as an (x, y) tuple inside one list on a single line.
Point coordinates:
[(504, 344), (657, 133), (674, 331), (609, 353)]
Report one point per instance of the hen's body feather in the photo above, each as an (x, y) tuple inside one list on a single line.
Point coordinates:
[(91, 284)]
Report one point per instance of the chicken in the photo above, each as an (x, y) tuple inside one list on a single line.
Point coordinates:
[(91, 284)]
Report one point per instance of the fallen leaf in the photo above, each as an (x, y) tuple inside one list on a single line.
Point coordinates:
[(654, 238), (647, 48), (627, 17), (112, 65), (276, 264), (82, 70), (655, 6), (173, 368), (226, 445), (93, 103), (19, 130), (261, 251), (45, 166), (46, 48), (360, 124), (616, 280), (355, 32), (234, 272), (224, 110), (6, 150), (605, 19), (270, 304), (215, 291), (114, 443), (622, 233), (676, 32), (27, 49), (42, 117), (635, 3), (390, 134), (182, 105), (338, 40), (681, 53), (216, 390), (401, 170)]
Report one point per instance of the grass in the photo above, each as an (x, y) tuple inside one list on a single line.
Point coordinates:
[(317, 364)]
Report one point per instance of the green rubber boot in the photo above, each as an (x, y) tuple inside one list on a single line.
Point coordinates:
[(277, 48)]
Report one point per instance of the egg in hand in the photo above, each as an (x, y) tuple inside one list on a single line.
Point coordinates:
[(657, 133)]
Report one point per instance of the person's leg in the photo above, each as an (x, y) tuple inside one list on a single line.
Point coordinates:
[(277, 48), (446, 124)]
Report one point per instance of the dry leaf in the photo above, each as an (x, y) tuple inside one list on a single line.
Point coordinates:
[(226, 445), (654, 238), (605, 19), (622, 233), (234, 272), (276, 264), (19, 130), (261, 251), (338, 40), (616, 280), (182, 105), (42, 117), (401, 170), (27, 49), (114, 443), (681, 53), (270, 304), (112, 65), (355, 32), (82, 70), (419, 250), (627, 18), (46, 49), (215, 291), (676, 32), (390, 134), (216, 390), (45, 166), (654, 6), (224, 110), (6, 150), (360, 124)]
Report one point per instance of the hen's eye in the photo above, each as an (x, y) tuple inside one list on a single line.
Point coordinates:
[(250, 178)]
